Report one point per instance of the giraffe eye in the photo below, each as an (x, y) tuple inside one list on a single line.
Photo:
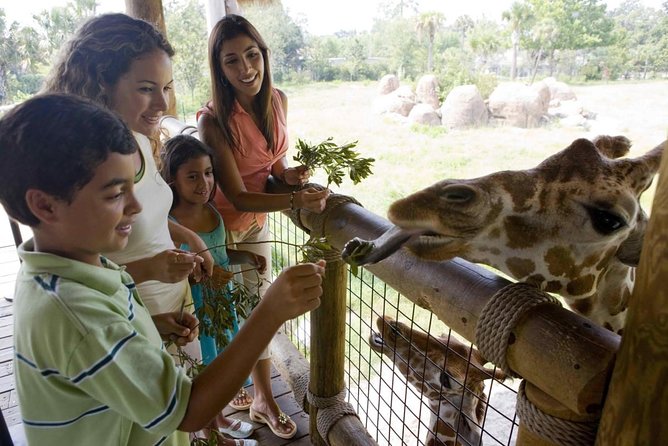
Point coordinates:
[(605, 222), (445, 380)]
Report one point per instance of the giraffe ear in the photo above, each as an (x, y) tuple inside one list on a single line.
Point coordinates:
[(612, 146)]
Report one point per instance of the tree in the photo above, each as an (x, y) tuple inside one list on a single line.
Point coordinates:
[(59, 23), (398, 9), (428, 24), (19, 57), (566, 25), (463, 25), (186, 22), (486, 40), (518, 16), (283, 36)]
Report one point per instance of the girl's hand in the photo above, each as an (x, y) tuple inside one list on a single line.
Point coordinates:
[(296, 176), (177, 328), (173, 265), (204, 268), (311, 199), (258, 261)]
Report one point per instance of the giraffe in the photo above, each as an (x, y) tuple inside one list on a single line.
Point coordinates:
[(438, 367), (573, 225)]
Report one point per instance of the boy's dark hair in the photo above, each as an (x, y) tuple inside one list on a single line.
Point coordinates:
[(54, 143), (178, 150)]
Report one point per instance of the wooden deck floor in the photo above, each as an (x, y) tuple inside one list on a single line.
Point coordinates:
[(9, 265)]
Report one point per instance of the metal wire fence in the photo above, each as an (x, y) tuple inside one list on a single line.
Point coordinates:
[(393, 411)]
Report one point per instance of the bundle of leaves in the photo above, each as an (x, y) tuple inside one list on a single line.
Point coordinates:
[(217, 313), (334, 159)]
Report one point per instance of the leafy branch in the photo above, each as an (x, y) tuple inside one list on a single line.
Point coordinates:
[(334, 159)]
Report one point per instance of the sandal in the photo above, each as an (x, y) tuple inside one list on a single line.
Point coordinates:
[(283, 420), (237, 429), (242, 395)]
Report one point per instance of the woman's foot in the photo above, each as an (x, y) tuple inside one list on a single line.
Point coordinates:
[(242, 401), (280, 423)]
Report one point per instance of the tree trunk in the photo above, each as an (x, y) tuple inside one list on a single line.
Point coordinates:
[(152, 11)]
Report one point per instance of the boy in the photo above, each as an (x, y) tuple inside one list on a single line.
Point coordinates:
[(90, 366)]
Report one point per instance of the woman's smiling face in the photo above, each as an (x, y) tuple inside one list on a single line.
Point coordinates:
[(141, 95), (242, 63)]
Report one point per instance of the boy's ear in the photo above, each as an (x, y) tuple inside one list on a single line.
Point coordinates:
[(42, 205)]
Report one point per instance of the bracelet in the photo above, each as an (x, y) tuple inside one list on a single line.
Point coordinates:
[(292, 200)]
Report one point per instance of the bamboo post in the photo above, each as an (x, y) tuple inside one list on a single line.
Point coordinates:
[(328, 339), (152, 12), (636, 408)]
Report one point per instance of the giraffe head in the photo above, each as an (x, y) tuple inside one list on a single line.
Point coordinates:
[(445, 370), (561, 226)]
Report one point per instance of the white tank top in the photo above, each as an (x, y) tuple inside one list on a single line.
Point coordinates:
[(150, 234)]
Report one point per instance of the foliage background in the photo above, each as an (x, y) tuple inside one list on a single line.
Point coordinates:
[(574, 40)]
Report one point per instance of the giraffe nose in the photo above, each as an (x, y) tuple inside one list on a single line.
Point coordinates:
[(458, 193)]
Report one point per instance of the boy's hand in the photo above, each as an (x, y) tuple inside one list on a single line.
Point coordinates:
[(180, 332), (174, 265), (295, 291)]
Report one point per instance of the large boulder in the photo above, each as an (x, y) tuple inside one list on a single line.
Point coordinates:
[(516, 105), (388, 84), (544, 95), (464, 107), (427, 90), (400, 101), (424, 114), (559, 91)]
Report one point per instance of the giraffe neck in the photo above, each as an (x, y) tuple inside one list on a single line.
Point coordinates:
[(449, 426), (607, 306), (598, 293)]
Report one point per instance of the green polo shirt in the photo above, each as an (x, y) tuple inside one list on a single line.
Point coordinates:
[(90, 366)]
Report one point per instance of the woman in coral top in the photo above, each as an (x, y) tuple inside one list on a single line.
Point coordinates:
[(245, 124)]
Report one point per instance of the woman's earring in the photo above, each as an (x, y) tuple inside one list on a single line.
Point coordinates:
[(225, 82)]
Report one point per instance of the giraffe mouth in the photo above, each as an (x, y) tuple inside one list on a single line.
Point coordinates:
[(361, 252), (376, 341)]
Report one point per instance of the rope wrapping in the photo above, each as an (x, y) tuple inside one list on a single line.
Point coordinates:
[(500, 316), (300, 387), (330, 411), (555, 430)]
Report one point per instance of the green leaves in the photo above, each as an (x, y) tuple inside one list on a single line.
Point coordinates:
[(334, 160)]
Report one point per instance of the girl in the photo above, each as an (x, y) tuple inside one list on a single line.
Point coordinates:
[(187, 166), (245, 125)]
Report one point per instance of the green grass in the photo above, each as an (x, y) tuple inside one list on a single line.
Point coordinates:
[(411, 157)]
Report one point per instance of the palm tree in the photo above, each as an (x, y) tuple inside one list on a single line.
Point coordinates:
[(429, 23), (517, 16)]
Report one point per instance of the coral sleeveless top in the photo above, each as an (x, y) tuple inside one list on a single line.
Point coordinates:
[(254, 159)]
